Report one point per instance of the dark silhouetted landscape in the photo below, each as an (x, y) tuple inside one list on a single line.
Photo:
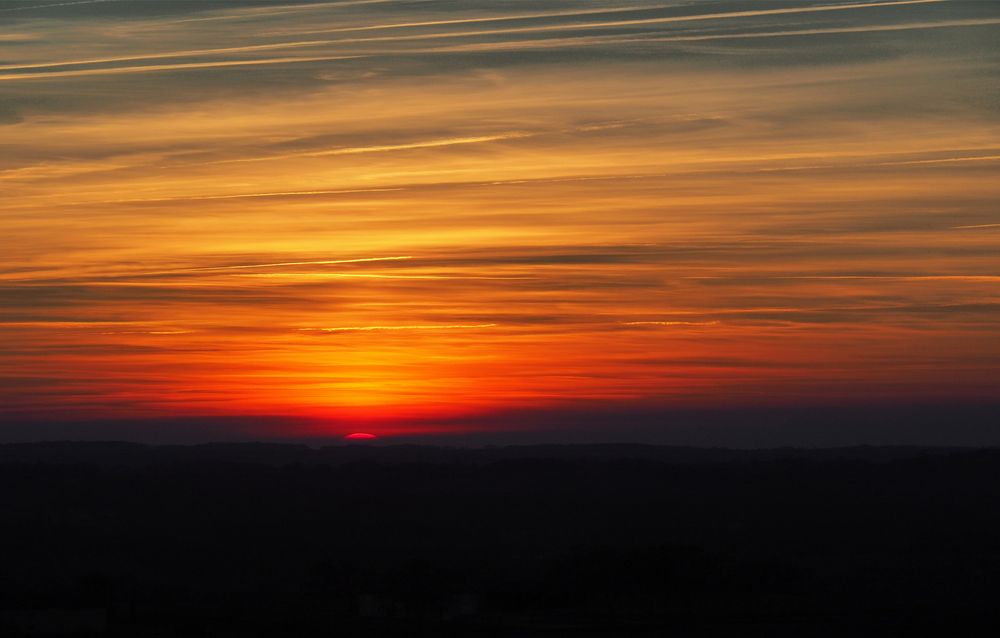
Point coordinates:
[(499, 318), (123, 539)]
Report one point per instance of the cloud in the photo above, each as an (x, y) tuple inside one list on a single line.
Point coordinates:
[(9, 116), (498, 209)]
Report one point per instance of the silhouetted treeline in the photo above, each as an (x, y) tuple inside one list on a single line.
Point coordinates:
[(265, 540)]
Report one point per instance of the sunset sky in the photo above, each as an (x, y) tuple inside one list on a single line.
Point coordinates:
[(431, 216)]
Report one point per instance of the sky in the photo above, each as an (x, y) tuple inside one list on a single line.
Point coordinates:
[(423, 218)]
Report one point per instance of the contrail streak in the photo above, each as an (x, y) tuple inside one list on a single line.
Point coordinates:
[(975, 226), (279, 264), (315, 43), (943, 160), (59, 4), (165, 54), (150, 332), (347, 191), (973, 278), (415, 145), (342, 275), (508, 18), (297, 263), (670, 323), (459, 326), (385, 148), (612, 39), (639, 21), (863, 29), (251, 13), (168, 67)]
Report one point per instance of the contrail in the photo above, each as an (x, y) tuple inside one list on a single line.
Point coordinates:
[(352, 275), (670, 323), (416, 145), (943, 160), (280, 264), (834, 30), (973, 278), (384, 148), (314, 43), (59, 4), (165, 54), (149, 332), (640, 21), (435, 143), (168, 67), (614, 39), (459, 326), (297, 263), (507, 18), (983, 278), (253, 12), (347, 191)]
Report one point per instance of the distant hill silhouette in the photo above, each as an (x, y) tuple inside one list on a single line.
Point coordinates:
[(275, 540), (123, 453)]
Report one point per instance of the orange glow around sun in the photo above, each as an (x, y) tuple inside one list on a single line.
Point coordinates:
[(374, 218)]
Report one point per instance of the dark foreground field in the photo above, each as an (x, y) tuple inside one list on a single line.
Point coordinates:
[(273, 540)]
